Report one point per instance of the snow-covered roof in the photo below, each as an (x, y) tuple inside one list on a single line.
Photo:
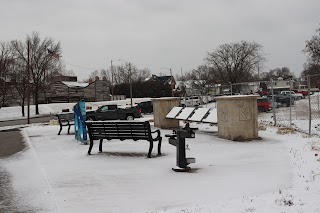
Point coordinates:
[(74, 84)]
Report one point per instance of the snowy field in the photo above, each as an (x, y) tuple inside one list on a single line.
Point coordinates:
[(9, 113), (279, 173)]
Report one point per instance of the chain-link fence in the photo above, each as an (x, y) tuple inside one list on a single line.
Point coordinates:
[(295, 102)]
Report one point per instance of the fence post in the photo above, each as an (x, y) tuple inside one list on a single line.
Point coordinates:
[(309, 94), (273, 105), (290, 96), (318, 102)]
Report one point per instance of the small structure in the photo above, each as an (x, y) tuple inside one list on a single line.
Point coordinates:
[(71, 91), (161, 107), (237, 117), (79, 122), (178, 139)]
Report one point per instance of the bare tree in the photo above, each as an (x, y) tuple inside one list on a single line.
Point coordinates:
[(6, 63), (312, 69), (235, 62), (201, 79), (44, 59), (18, 77), (283, 72), (312, 48), (142, 74), (122, 73)]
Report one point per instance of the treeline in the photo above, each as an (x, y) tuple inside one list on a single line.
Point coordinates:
[(244, 62), (152, 89), (30, 62), (227, 64)]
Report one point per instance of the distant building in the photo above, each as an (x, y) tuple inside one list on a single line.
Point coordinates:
[(163, 79), (64, 78), (71, 91)]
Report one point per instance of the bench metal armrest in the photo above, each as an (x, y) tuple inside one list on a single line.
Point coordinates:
[(159, 134)]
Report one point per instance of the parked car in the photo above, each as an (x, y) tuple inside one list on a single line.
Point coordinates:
[(296, 96), (264, 104), (113, 112), (146, 107), (190, 101), (303, 92), (283, 100)]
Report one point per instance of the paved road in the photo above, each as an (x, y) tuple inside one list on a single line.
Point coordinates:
[(42, 119), (11, 142)]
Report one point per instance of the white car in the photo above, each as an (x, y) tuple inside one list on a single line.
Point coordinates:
[(190, 101), (296, 96)]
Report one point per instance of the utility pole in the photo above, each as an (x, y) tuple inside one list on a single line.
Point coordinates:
[(130, 79), (112, 81), (171, 83), (28, 84)]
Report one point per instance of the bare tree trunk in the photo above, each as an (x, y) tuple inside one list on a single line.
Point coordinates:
[(36, 101), (22, 108)]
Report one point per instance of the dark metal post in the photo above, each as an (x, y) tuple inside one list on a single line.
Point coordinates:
[(112, 80), (290, 96), (28, 85), (130, 84), (181, 151), (273, 105), (309, 93), (171, 77)]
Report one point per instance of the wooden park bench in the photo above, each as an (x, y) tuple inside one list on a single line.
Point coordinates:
[(133, 130), (65, 119)]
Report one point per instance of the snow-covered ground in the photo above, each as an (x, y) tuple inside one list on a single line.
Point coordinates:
[(279, 173), (9, 113)]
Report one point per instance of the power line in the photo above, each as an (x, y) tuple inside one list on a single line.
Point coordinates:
[(81, 67)]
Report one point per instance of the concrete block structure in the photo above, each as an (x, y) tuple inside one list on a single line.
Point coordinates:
[(237, 117), (161, 107)]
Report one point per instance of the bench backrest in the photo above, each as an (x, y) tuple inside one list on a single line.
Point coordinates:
[(65, 117), (119, 130)]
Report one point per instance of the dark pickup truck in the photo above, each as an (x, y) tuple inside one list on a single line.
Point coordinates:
[(282, 100), (112, 112)]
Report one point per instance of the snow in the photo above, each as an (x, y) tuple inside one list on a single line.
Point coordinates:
[(185, 113), (9, 113), (173, 112), (74, 84), (212, 117), (279, 173), (199, 114)]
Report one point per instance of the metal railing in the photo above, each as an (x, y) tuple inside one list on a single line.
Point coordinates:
[(301, 112)]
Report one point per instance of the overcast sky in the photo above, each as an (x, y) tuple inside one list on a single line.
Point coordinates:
[(163, 33)]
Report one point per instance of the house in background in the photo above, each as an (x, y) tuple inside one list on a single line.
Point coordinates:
[(163, 79), (280, 84), (73, 91)]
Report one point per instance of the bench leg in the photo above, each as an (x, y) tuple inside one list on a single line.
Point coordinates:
[(100, 145), (150, 149), (90, 147), (69, 129), (60, 130), (159, 146)]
